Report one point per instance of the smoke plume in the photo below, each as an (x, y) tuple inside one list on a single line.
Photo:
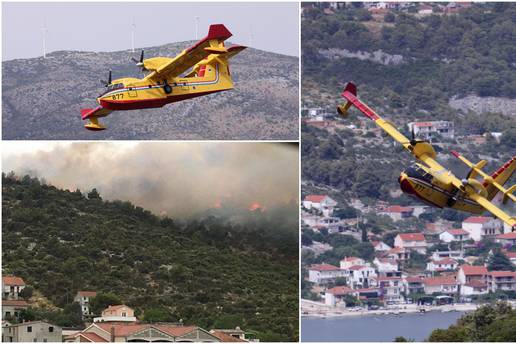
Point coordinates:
[(178, 179)]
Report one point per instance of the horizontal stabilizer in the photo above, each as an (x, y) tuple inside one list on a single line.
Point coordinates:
[(235, 49)]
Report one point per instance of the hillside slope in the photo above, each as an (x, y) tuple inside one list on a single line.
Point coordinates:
[(206, 272), (42, 99)]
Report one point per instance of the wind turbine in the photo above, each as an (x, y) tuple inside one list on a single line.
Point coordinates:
[(133, 29), (44, 30), (196, 27)]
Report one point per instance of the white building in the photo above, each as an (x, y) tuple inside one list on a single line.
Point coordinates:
[(506, 239), (428, 130), (480, 227), (360, 275), (411, 241), (442, 284), (117, 313), (380, 246), (445, 264), (397, 212), (474, 288), (454, 235), (83, 298), (325, 273), (11, 287), (348, 262), (32, 331), (391, 289), (324, 203), (501, 280), (386, 264), (470, 273)]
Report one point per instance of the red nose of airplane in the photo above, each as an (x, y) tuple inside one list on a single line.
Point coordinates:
[(405, 185)]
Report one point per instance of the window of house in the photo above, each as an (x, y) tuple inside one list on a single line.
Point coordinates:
[(123, 314), (51, 329), (29, 328)]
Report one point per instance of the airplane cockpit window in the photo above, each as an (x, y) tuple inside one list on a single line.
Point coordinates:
[(416, 171)]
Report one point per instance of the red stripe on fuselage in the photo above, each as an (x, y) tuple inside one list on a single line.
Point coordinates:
[(149, 103), (359, 105)]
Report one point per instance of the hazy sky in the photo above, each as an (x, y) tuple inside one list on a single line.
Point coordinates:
[(97, 26), (175, 178)]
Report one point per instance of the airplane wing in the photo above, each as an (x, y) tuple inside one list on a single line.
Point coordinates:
[(423, 151), (493, 209), (189, 57)]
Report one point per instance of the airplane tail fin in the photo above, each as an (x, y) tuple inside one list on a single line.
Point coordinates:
[(500, 176), (342, 109)]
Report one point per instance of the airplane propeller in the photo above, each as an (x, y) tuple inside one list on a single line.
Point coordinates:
[(107, 83), (139, 63)]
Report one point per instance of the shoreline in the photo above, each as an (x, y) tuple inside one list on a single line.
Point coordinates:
[(313, 309)]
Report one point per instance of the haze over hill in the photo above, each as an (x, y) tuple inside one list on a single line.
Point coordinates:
[(42, 99)]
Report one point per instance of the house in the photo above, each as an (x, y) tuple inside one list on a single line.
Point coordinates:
[(480, 227), (506, 239), (83, 298), (320, 202), (411, 241), (359, 275), (135, 332), (454, 235), (336, 295), (442, 285), (510, 255), (457, 255), (469, 273), (325, 273), (474, 288), (396, 212), (430, 129), (501, 280), (398, 253), (414, 285), (11, 287), (348, 262), (235, 334), (391, 289), (425, 10), (386, 264), (445, 264), (12, 308), (118, 313), (32, 331), (380, 246)]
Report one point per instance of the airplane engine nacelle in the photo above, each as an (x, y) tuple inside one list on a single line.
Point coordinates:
[(475, 186)]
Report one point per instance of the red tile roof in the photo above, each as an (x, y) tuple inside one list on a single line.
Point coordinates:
[(323, 267), (87, 293), (445, 261), (115, 307), (226, 337), (503, 274), (398, 209), (414, 279), (12, 280), (315, 198), (477, 219), (510, 235), (412, 236), (15, 303), (457, 231), (121, 330), (433, 281), (510, 254), (340, 290), (357, 267), (474, 270), (92, 337)]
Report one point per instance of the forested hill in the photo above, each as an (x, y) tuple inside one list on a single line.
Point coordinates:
[(208, 272), (412, 64)]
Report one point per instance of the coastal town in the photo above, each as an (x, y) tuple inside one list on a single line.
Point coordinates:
[(441, 267), (115, 323)]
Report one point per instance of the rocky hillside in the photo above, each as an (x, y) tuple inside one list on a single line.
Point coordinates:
[(42, 99)]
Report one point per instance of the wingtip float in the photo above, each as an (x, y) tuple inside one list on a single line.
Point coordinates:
[(197, 71), (431, 183)]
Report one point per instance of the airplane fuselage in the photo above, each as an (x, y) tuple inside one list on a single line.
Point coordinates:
[(418, 181), (132, 93)]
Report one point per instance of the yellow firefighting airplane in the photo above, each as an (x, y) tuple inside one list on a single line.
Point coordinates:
[(165, 82), (431, 182)]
